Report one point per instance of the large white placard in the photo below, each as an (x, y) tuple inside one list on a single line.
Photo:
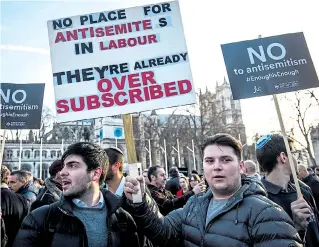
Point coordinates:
[(121, 61)]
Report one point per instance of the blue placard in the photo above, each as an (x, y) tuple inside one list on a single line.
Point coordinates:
[(118, 132), (271, 65)]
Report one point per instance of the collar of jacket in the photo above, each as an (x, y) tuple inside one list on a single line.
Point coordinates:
[(28, 186), (249, 186), (55, 191), (308, 178), (112, 202), (4, 186)]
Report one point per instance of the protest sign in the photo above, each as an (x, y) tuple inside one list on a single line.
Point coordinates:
[(271, 65), (119, 62), (21, 105)]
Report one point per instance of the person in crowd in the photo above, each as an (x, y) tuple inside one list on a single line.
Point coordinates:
[(14, 207), (183, 181), (272, 157), (165, 200), (194, 172), (310, 180), (39, 183), (194, 179), (173, 182), (317, 172), (114, 180), (21, 182), (233, 212), (250, 169), (311, 171), (146, 181), (52, 190), (85, 215)]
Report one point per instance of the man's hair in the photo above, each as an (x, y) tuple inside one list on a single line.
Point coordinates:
[(55, 167), (303, 167), (173, 172), (22, 175), (269, 149), (115, 155), (5, 172), (224, 140), (250, 165), (152, 171), (93, 156), (39, 180)]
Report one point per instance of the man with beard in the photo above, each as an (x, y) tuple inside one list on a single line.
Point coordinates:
[(115, 180), (85, 215), (273, 158)]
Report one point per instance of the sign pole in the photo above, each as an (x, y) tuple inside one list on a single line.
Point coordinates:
[(20, 154), (62, 146), (40, 159), (150, 151), (166, 168), (179, 154), (194, 159), (129, 138), (283, 131), (2, 145), (115, 142)]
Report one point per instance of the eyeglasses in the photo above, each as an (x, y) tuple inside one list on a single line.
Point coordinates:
[(263, 141)]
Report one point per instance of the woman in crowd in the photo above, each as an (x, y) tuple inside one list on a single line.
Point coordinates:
[(194, 180), (183, 181)]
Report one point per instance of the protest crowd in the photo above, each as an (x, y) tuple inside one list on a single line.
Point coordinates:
[(87, 200), (135, 60)]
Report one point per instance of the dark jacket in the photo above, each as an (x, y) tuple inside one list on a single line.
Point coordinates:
[(30, 191), (313, 183), (166, 201), (70, 231), (47, 195), (173, 185), (248, 219), (285, 198), (14, 208)]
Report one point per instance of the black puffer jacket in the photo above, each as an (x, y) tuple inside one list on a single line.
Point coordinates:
[(48, 195), (248, 219), (69, 231)]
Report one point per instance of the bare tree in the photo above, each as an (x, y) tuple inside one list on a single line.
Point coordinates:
[(313, 96), (47, 120), (301, 108)]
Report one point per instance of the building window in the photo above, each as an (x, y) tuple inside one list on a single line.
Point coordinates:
[(9, 154), (36, 153), (59, 154), (44, 153), (18, 153), (27, 154), (53, 153)]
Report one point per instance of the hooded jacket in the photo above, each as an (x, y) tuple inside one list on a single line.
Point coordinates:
[(48, 195), (248, 219), (69, 231), (29, 191)]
